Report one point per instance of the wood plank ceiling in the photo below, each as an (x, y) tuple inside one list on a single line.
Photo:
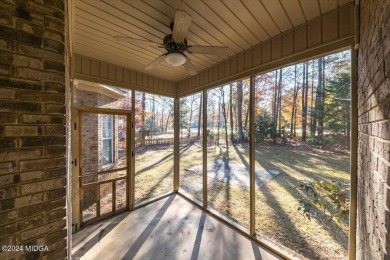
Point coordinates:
[(235, 24)]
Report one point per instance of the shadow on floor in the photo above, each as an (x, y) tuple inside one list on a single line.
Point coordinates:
[(148, 230), (90, 235), (171, 228)]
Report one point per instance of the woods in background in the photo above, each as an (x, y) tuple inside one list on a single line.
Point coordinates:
[(307, 102)]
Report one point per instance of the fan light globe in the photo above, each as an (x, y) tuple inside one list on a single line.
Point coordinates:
[(175, 59)]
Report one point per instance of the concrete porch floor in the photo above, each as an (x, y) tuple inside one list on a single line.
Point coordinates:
[(171, 228)]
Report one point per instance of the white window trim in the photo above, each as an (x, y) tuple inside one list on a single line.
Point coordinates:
[(108, 138)]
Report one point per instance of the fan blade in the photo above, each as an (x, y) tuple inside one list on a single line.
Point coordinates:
[(215, 50), (136, 41), (155, 62), (190, 67), (180, 26)]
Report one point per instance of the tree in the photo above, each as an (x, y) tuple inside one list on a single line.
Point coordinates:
[(192, 100), (153, 113), (143, 118), (224, 113), (240, 133), (304, 100), (200, 114), (184, 109), (279, 101), (312, 123), (294, 104), (264, 126), (321, 98), (318, 112), (275, 99), (219, 116), (231, 111), (338, 104)]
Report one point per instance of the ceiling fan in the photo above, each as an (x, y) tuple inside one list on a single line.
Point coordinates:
[(176, 44)]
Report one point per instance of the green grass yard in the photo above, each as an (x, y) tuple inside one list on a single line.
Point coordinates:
[(277, 218)]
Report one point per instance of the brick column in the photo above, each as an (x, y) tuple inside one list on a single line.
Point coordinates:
[(373, 219), (32, 127)]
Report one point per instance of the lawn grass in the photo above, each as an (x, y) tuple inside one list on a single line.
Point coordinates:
[(277, 218), (279, 221), (153, 172)]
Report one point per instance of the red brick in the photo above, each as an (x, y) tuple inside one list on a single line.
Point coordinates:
[(374, 146), (42, 186), (59, 224), (42, 164)]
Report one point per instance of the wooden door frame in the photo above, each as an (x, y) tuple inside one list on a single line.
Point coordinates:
[(77, 161)]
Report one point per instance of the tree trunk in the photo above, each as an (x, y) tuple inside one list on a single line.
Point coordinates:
[(321, 107), (143, 119), (240, 133), (275, 99), (200, 114), (153, 116), (312, 108), (219, 117), (279, 108), (162, 120), (275, 108), (224, 116), (246, 117), (349, 128), (304, 103), (212, 114), (166, 124), (191, 107), (294, 104), (231, 112), (317, 105)]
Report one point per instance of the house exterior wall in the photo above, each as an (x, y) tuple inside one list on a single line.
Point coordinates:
[(373, 219), (92, 129), (92, 142), (32, 128)]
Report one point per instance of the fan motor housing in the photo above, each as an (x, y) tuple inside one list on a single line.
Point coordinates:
[(171, 46)]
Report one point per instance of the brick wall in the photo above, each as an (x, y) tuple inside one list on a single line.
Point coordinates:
[(32, 127), (92, 142), (92, 128), (373, 219)]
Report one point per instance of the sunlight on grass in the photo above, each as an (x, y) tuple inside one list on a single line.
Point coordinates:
[(153, 172), (310, 239), (277, 218)]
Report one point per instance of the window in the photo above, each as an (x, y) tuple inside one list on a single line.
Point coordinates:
[(107, 139)]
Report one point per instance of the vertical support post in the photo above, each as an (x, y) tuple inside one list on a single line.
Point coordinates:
[(80, 162), (97, 188), (176, 147), (131, 152), (75, 171), (204, 148), (113, 186), (252, 155), (354, 154), (354, 136), (72, 219)]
